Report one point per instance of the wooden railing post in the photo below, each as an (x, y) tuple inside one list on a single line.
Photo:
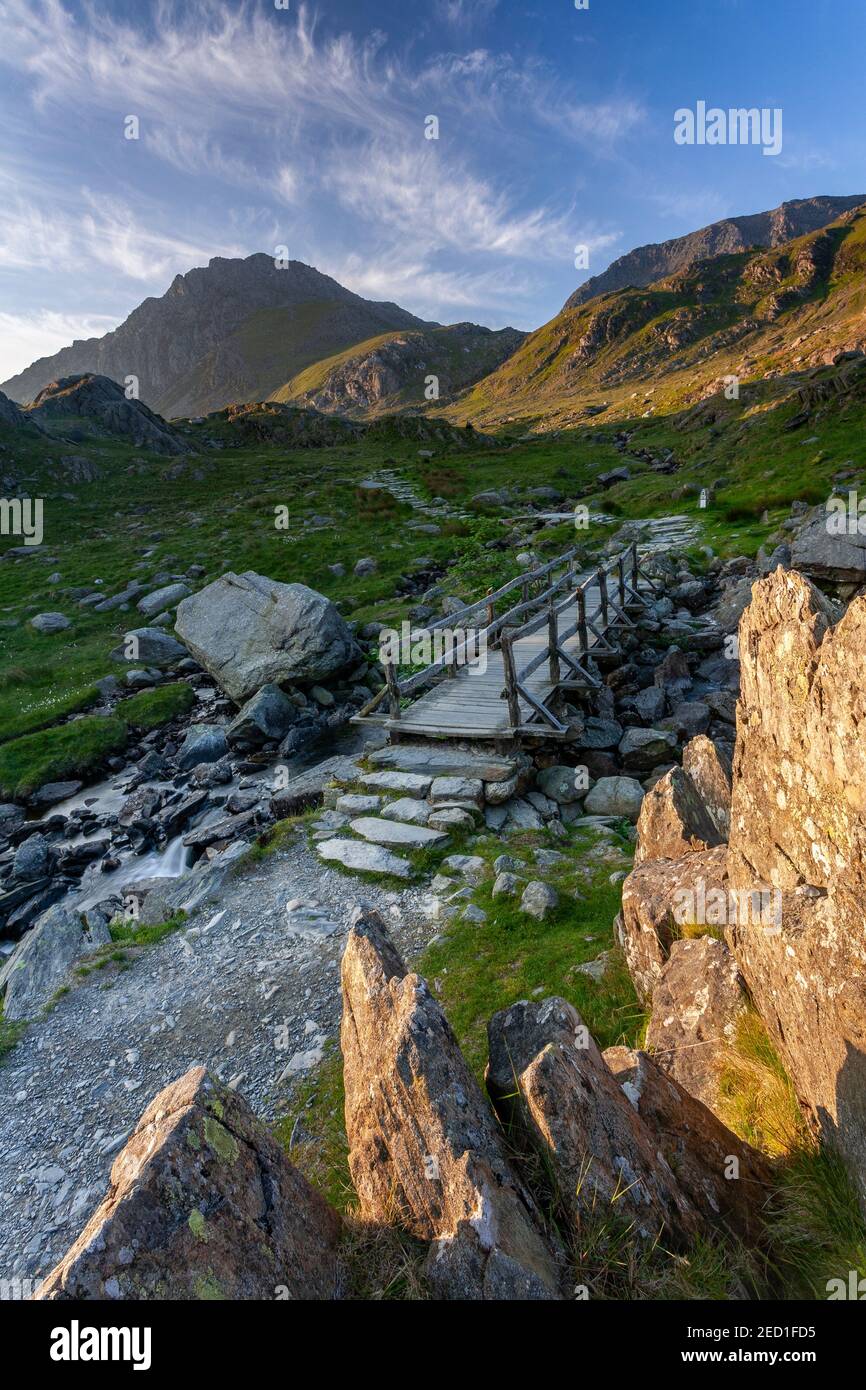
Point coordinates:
[(620, 565), (552, 641), (635, 567), (582, 628), (393, 689), (491, 615), (602, 590), (510, 682)]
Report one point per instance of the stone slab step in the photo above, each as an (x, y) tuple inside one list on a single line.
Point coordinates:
[(411, 783), (364, 858), (407, 809), (443, 762), (392, 832)]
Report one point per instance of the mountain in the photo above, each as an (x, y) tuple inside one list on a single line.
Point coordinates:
[(392, 371), (237, 330), (647, 264), (753, 315)]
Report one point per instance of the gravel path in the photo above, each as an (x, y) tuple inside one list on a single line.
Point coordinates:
[(247, 988)]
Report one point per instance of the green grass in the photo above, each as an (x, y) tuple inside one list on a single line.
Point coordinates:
[(130, 934), (151, 708), (71, 750), (10, 1034)]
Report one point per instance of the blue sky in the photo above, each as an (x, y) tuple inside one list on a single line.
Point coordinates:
[(304, 126)]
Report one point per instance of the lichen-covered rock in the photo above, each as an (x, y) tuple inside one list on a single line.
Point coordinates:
[(659, 897), (674, 821), (709, 768), (547, 1075), (798, 826), (697, 1003), (203, 1204), (424, 1147), (722, 1176)]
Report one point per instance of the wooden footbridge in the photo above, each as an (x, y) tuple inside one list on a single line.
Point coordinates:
[(538, 651)]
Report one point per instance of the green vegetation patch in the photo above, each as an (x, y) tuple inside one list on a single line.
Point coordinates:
[(72, 750), (151, 708)]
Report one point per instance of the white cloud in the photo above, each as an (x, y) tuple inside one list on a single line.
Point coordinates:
[(416, 191), (95, 231), (26, 337)]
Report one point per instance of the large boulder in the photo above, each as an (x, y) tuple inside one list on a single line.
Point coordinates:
[(798, 835), (674, 820), (644, 749), (547, 1076), (722, 1176), (41, 961), (203, 1204), (698, 1001), (423, 1143), (247, 631), (824, 548), (659, 898)]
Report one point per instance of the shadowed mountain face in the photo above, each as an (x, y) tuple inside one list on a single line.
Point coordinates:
[(236, 330), (647, 264), (88, 406)]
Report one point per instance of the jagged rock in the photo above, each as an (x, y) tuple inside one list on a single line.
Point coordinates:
[(642, 749), (615, 796), (709, 768), (674, 820), (152, 646), (825, 551), (308, 788), (166, 597), (423, 1145), (659, 897), (203, 743), (697, 1003), (50, 622), (268, 715), (103, 407), (546, 1075), (736, 597), (539, 900), (33, 859), (247, 630), (50, 793), (696, 1145), (203, 1204), (41, 962), (560, 784), (798, 826)]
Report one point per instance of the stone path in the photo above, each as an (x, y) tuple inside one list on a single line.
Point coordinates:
[(248, 989)]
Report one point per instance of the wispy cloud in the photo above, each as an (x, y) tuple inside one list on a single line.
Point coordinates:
[(26, 337)]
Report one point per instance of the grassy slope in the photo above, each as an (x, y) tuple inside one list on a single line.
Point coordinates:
[(683, 334)]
